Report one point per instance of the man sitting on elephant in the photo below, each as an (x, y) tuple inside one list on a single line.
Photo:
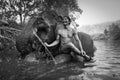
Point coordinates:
[(64, 37)]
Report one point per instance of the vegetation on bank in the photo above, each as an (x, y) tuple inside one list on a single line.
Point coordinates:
[(111, 33), (104, 31)]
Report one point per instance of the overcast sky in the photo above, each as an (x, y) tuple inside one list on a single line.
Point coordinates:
[(98, 11)]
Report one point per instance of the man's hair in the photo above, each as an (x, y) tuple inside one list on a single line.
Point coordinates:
[(68, 18)]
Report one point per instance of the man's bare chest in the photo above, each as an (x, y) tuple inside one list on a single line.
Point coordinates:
[(66, 33)]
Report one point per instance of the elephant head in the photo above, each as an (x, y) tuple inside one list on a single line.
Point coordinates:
[(26, 42)]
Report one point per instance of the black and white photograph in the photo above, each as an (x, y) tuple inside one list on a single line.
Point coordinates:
[(59, 39)]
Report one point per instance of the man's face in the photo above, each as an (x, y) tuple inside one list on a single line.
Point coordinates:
[(66, 21)]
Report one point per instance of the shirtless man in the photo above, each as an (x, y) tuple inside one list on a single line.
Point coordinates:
[(64, 37)]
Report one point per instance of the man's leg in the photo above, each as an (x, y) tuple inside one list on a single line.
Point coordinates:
[(72, 47), (84, 55)]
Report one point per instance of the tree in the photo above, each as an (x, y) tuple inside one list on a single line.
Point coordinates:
[(28, 8), (71, 4), (20, 8), (114, 31)]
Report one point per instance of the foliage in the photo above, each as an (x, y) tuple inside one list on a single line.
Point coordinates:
[(114, 31), (19, 8), (71, 4), (11, 9), (8, 34)]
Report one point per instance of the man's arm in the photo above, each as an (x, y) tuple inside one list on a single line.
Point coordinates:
[(56, 42), (78, 40), (80, 44)]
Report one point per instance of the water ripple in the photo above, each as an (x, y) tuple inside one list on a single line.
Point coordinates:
[(107, 57)]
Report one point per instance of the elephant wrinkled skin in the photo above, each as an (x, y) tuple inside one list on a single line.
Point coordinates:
[(25, 41)]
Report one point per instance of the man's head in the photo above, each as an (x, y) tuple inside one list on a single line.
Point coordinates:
[(66, 20)]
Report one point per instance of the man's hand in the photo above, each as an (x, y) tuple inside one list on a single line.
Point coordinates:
[(46, 44)]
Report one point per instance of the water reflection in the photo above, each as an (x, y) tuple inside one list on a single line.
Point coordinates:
[(107, 57)]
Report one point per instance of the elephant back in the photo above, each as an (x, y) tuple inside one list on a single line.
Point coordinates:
[(86, 42)]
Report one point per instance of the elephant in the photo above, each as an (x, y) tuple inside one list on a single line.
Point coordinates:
[(25, 41), (86, 41)]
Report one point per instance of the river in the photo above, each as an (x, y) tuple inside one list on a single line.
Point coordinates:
[(107, 56), (106, 67), (107, 59)]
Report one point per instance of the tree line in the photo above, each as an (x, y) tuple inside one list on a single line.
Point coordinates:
[(12, 10)]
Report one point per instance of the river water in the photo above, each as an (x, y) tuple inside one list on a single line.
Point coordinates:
[(106, 67), (107, 58)]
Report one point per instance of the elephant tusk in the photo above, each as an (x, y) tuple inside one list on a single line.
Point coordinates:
[(34, 32)]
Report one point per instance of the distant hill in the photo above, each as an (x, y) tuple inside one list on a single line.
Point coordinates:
[(98, 28)]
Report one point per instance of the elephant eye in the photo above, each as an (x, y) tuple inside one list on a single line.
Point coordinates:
[(38, 22)]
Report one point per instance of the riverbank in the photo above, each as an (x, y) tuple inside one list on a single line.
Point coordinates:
[(19, 70), (106, 66)]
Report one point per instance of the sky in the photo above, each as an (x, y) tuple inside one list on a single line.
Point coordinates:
[(98, 11)]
